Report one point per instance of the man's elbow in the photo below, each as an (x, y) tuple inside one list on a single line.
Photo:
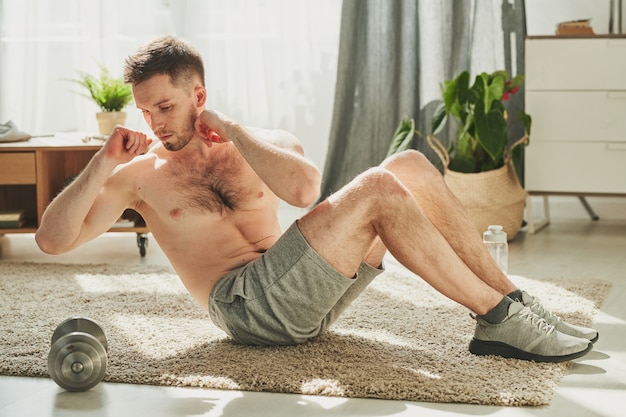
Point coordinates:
[(308, 193), (305, 200), (47, 245)]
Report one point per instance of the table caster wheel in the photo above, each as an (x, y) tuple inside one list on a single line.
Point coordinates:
[(142, 243)]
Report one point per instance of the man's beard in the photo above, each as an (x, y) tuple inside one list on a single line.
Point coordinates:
[(183, 138)]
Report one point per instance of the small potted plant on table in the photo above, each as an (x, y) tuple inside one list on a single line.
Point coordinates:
[(111, 94)]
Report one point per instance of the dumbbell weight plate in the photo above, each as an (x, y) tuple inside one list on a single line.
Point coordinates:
[(82, 325), (77, 361)]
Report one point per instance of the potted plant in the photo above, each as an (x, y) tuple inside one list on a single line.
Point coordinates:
[(111, 94), (479, 164)]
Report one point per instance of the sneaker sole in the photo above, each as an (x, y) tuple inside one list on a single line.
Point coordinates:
[(484, 348)]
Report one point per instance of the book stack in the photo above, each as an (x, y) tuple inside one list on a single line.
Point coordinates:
[(575, 27), (11, 219)]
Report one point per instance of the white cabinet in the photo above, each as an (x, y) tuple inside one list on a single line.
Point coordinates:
[(576, 95)]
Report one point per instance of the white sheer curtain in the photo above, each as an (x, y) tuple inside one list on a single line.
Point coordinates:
[(269, 63), (43, 44)]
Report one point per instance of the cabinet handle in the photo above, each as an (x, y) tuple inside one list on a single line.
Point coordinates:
[(616, 146)]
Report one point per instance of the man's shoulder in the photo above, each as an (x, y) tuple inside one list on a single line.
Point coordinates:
[(134, 170), (141, 161)]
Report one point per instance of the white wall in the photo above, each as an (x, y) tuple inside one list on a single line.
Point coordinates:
[(542, 16)]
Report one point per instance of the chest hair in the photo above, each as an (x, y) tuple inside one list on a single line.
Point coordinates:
[(214, 186)]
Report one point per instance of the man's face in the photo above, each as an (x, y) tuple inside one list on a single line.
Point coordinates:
[(169, 111)]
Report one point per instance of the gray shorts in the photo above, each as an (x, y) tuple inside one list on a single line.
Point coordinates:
[(286, 297)]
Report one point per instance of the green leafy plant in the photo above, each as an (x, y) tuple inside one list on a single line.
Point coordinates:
[(481, 122), (109, 93)]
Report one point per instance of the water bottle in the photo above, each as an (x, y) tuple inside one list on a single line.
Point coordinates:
[(494, 239)]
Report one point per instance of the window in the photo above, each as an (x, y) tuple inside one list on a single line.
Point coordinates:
[(269, 63)]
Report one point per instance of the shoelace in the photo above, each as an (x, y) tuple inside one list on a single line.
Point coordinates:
[(542, 312), (536, 321)]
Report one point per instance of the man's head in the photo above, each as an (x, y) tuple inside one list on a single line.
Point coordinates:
[(166, 55), (167, 77)]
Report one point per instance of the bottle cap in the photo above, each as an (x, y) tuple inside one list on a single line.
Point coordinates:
[(495, 234)]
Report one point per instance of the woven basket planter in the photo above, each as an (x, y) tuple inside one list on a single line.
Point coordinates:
[(490, 197)]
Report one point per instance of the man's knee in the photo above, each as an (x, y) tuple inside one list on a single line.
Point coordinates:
[(413, 167), (380, 183), (409, 159)]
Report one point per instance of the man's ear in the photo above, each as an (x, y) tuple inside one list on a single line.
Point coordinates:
[(199, 96)]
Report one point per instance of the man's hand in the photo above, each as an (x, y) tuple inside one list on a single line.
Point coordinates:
[(210, 126), (266, 150), (124, 144)]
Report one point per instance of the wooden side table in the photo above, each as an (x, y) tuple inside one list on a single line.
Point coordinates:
[(32, 173)]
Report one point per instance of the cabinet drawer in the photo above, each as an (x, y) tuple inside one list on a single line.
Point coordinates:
[(576, 167), (586, 116), (17, 168), (576, 64)]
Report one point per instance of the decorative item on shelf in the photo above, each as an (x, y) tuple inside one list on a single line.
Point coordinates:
[(111, 94), (575, 27), (479, 166), (11, 219)]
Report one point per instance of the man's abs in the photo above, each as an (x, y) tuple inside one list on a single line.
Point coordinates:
[(202, 250)]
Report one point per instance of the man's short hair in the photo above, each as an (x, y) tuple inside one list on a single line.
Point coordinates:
[(166, 55)]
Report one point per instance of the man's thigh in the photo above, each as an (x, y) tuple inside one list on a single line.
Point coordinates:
[(340, 230)]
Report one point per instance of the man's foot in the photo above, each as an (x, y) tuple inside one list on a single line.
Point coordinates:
[(525, 335), (562, 326)]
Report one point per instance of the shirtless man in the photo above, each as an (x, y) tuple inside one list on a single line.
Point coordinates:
[(210, 191)]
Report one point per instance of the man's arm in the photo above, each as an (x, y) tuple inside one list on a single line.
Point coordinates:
[(275, 155), (92, 203)]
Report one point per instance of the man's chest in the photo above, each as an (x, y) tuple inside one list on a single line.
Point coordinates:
[(198, 188)]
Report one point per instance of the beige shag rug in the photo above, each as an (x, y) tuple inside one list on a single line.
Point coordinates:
[(401, 340)]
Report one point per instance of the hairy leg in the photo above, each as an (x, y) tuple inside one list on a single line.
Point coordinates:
[(345, 227), (445, 211)]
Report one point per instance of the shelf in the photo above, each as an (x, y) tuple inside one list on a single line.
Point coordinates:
[(137, 229), (24, 229), (29, 227)]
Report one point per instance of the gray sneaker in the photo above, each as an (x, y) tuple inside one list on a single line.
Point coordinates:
[(562, 326), (525, 335)]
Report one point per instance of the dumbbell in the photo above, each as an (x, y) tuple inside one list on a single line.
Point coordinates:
[(78, 355)]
